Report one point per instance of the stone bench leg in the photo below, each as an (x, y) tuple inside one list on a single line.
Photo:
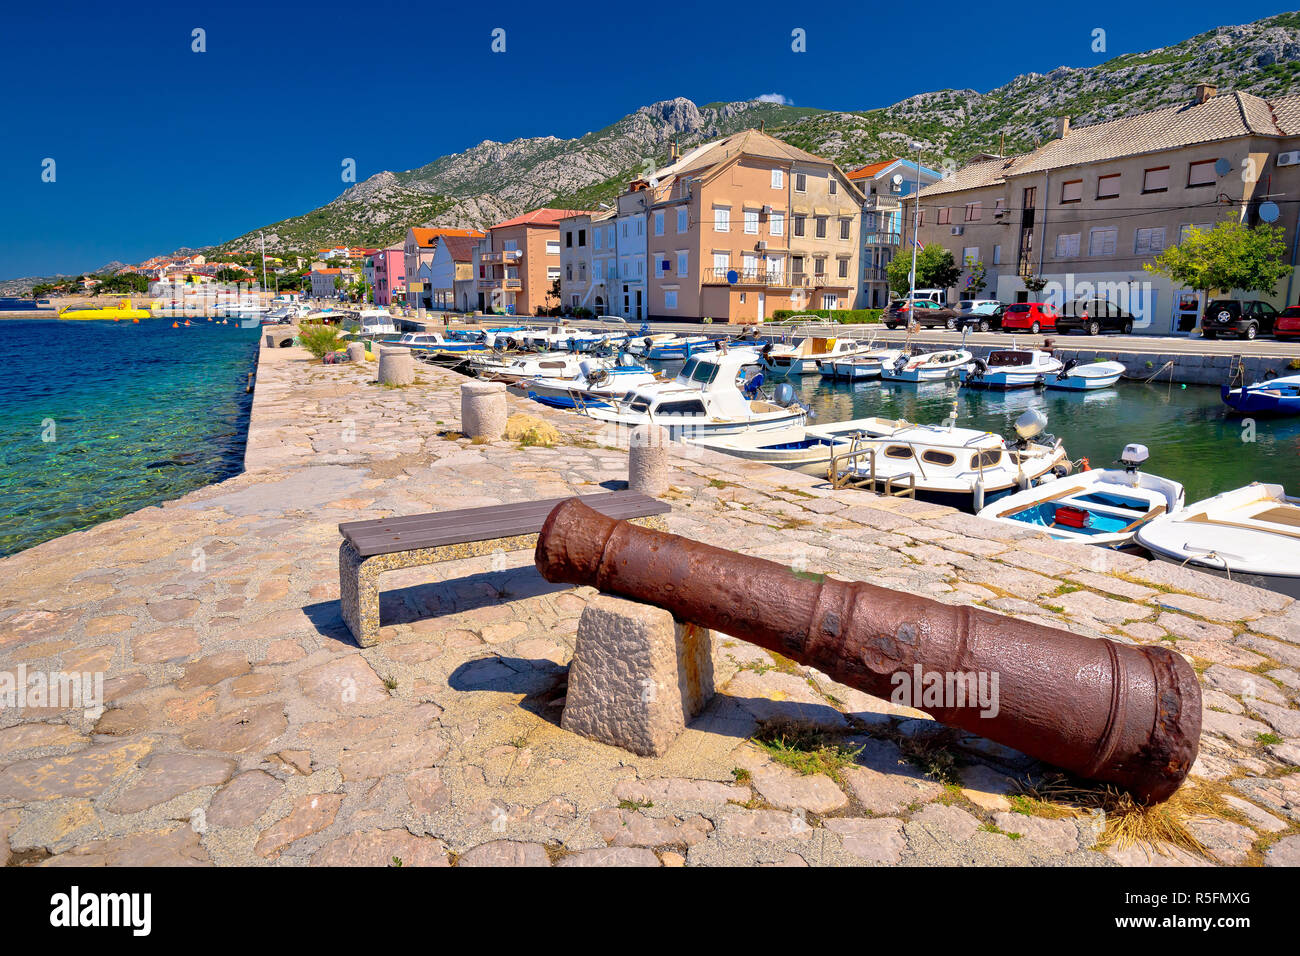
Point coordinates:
[(359, 595)]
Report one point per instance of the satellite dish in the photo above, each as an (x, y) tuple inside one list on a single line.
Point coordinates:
[(1269, 212), (654, 183), (1222, 167), (898, 179)]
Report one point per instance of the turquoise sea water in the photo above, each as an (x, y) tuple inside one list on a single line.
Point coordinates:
[(135, 415)]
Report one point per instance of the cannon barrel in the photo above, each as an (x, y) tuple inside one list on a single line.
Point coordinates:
[(1119, 713)]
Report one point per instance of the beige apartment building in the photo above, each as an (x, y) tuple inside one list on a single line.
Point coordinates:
[(1089, 208), (743, 227), (586, 245), (517, 263)]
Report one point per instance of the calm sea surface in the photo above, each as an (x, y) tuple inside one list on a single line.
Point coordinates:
[(134, 415)]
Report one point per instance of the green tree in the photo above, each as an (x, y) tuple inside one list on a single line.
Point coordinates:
[(230, 275), (935, 269), (1232, 255), (976, 279)]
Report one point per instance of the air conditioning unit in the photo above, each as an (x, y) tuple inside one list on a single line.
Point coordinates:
[(1289, 159), (958, 230), (767, 210), (761, 245), (999, 213)]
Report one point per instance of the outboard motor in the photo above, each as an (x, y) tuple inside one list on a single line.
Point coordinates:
[(977, 369), (626, 361), (649, 344), (1064, 373), (511, 344), (899, 363), (752, 385), (784, 395), (1029, 426), (1132, 457)]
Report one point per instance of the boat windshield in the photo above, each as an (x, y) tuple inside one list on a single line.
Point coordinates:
[(696, 370), (1010, 357)]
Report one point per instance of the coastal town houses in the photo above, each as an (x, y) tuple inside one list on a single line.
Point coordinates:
[(588, 261), (518, 262), (884, 185), (418, 251), (449, 277), (743, 227), (325, 282), (390, 275), (1087, 209)]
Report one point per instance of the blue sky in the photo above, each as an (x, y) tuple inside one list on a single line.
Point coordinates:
[(156, 146)]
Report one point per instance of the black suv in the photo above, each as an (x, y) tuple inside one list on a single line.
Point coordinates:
[(1246, 318), (1102, 316)]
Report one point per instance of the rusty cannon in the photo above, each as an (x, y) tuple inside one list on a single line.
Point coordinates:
[(1105, 711)]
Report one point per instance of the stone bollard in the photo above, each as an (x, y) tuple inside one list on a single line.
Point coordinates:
[(396, 367), (483, 410), (356, 352), (647, 460), (637, 676)]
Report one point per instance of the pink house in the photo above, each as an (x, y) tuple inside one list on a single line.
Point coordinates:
[(390, 274)]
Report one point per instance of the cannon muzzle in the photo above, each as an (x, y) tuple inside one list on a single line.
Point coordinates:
[(1119, 713)]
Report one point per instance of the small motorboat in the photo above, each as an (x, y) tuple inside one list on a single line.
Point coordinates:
[(1278, 396), (706, 399), (1250, 535), (1074, 377), (434, 342), (644, 342), (944, 463), (926, 367), (525, 367), (865, 365), (377, 322), (678, 348), (805, 357), (596, 384), (1102, 506), (794, 448), (1010, 368)]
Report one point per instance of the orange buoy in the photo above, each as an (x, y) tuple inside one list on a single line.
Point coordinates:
[(135, 321), (176, 325)]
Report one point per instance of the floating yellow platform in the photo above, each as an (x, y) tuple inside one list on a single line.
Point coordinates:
[(123, 310)]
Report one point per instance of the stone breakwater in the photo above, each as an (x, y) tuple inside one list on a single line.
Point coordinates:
[(241, 725)]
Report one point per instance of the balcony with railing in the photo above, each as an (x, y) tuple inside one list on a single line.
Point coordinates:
[(756, 276), (882, 237), (875, 274), (499, 257), (510, 285)]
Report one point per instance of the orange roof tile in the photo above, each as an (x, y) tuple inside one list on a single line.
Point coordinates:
[(542, 217), (870, 170), (426, 237)]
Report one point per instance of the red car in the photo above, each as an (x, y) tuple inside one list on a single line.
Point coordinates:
[(1029, 316), (1287, 324)]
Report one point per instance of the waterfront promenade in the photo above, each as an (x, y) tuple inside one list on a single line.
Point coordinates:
[(243, 726)]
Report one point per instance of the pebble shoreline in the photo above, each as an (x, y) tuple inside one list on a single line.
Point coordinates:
[(243, 726)]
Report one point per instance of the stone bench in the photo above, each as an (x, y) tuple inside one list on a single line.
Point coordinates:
[(370, 548)]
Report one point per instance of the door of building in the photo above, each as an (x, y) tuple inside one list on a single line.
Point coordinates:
[(638, 303), (762, 306), (1187, 312)]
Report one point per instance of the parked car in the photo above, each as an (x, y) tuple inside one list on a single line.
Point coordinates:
[(1031, 316), (982, 319), (924, 313), (1243, 317), (1102, 316), (1287, 323)]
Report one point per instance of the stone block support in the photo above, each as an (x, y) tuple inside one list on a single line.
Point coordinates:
[(647, 460), (396, 367), (637, 676)]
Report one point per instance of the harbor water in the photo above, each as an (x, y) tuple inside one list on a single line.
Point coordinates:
[(102, 418)]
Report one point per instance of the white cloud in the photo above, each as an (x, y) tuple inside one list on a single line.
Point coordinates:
[(773, 98)]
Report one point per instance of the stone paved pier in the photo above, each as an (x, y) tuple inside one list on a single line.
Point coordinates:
[(243, 726)]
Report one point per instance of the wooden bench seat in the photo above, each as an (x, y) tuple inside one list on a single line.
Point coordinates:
[(372, 547)]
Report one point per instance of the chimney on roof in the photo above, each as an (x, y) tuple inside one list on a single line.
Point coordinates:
[(675, 153), (1062, 126), (1205, 91)]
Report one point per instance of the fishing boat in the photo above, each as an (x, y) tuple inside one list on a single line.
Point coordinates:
[(1278, 396), (597, 384), (434, 342), (803, 357), (591, 340), (705, 399), (1010, 368), (377, 322), (793, 448), (1101, 506), (1250, 535), (676, 348), (855, 367), (1086, 377), (925, 367), (643, 341), (523, 367), (124, 309), (957, 466)]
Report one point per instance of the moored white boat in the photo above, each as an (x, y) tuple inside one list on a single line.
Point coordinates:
[(597, 383), (1010, 368), (865, 365), (804, 357), (526, 366), (704, 399), (960, 466), (377, 322), (1103, 506), (1278, 396), (926, 367), (1086, 377), (793, 448), (1250, 535)]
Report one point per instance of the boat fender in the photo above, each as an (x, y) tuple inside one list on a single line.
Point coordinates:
[(1085, 465), (979, 494)]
